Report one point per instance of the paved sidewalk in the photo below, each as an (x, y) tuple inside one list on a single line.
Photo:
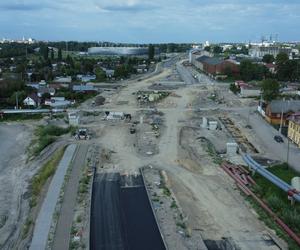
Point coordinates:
[(64, 224), (44, 219)]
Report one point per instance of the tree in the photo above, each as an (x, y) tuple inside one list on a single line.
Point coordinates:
[(45, 52), (268, 58), (246, 70), (281, 58), (52, 54), (234, 88), (100, 75), (59, 55), (45, 96), (217, 49), (151, 52), (252, 71), (207, 48), (270, 89)]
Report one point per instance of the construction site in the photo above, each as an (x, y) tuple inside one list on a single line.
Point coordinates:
[(175, 154)]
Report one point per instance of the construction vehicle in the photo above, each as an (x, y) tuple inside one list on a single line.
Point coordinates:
[(82, 134)]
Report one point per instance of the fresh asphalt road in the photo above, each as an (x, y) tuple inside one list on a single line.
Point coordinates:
[(106, 227), (121, 216)]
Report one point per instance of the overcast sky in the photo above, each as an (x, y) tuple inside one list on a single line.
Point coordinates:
[(143, 21)]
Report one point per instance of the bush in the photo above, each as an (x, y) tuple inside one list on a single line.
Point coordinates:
[(47, 135), (275, 202), (292, 218), (43, 174), (234, 88)]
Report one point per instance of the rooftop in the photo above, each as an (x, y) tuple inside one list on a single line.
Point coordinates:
[(279, 106)]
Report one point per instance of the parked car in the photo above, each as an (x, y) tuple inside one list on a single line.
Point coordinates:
[(278, 138)]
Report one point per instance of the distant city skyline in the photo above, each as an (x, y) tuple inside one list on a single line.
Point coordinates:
[(145, 21)]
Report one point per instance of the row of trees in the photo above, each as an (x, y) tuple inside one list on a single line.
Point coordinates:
[(286, 69)]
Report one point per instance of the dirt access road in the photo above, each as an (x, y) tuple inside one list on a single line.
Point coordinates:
[(210, 201)]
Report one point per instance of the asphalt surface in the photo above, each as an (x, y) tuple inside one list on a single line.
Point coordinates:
[(106, 231), (185, 74), (121, 215), (44, 219), (64, 224), (273, 149)]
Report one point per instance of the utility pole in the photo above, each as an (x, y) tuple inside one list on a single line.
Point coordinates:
[(17, 101), (248, 118), (281, 120)]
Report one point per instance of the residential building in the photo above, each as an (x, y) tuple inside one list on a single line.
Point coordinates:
[(58, 102), (271, 67), (250, 91), (84, 88), (63, 79), (294, 128), (86, 78), (280, 108), (45, 90), (31, 100)]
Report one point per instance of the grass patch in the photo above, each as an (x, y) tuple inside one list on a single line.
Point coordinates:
[(173, 204), (45, 135), (26, 227), (212, 153), (83, 189), (181, 225), (166, 191), (43, 175), (277, 200)]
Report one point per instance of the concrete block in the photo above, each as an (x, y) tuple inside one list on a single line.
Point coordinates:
[(232, 148), (213, 125), (73, 119), (204, 122)]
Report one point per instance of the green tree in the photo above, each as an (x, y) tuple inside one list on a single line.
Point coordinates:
[(151, 52), (281, 58), (252, 71), (207, 48), (217, 49), (59, 55), (52, 54), (100, 75), (246, 70), (45, 52), (268, 58), (234, 88), (270, 89)]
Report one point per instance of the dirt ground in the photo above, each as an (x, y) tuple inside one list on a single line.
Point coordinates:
[(204, 204), (210, 205)]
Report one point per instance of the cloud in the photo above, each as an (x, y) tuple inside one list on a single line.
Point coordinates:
[(150, 20), (20, 7), (126, 6)]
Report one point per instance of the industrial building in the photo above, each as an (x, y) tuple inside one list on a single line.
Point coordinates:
[(118, 51), (259, 51)]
